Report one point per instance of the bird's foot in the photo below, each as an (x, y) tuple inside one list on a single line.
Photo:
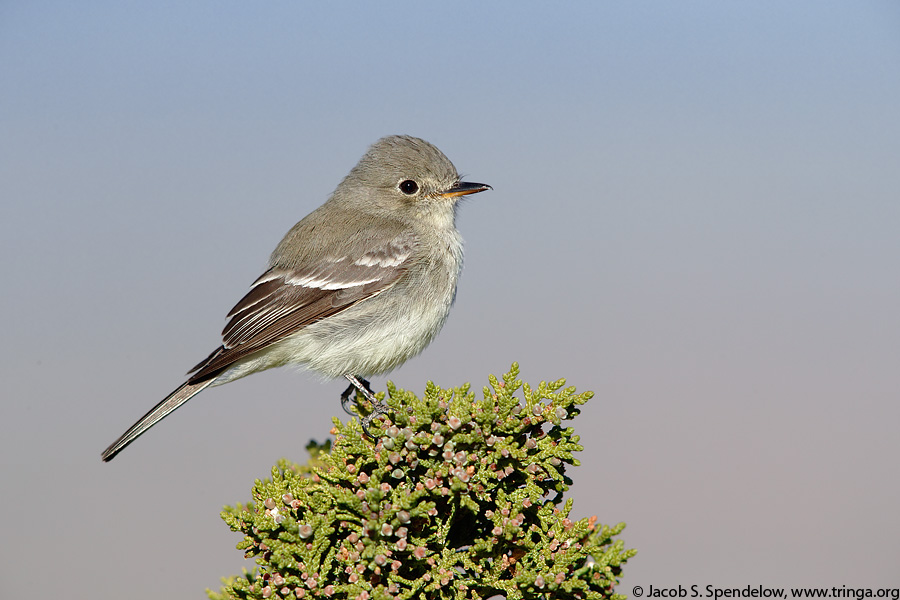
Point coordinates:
[(356, 383), (362, 386)]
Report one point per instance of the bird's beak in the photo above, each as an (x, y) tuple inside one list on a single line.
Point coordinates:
[(464, 188)]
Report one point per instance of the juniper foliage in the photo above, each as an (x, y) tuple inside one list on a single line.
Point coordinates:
[(458, 498)]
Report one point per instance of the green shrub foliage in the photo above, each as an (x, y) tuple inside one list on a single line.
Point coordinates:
[(457, 498)]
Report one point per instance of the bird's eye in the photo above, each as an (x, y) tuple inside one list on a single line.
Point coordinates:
[(408, 187)]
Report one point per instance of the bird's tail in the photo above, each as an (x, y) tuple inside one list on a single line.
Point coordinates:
[(171, 402)]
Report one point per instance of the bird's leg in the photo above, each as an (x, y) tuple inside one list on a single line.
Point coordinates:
[(362, 385), (351, 391)]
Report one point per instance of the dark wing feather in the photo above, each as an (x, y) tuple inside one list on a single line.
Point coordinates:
[(284, 300)]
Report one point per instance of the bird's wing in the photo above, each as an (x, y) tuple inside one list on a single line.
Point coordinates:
[(286, 299)]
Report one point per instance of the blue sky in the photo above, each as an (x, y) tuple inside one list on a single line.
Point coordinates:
[(695, 215)]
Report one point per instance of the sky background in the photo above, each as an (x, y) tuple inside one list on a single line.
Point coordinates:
[(695, 215)]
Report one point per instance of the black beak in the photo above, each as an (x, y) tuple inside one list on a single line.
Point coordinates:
[(464, 188)]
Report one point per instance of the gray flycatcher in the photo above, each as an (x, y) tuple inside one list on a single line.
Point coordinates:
[(359, 286)]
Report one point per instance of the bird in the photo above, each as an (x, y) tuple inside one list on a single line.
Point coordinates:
[(356, 288)]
